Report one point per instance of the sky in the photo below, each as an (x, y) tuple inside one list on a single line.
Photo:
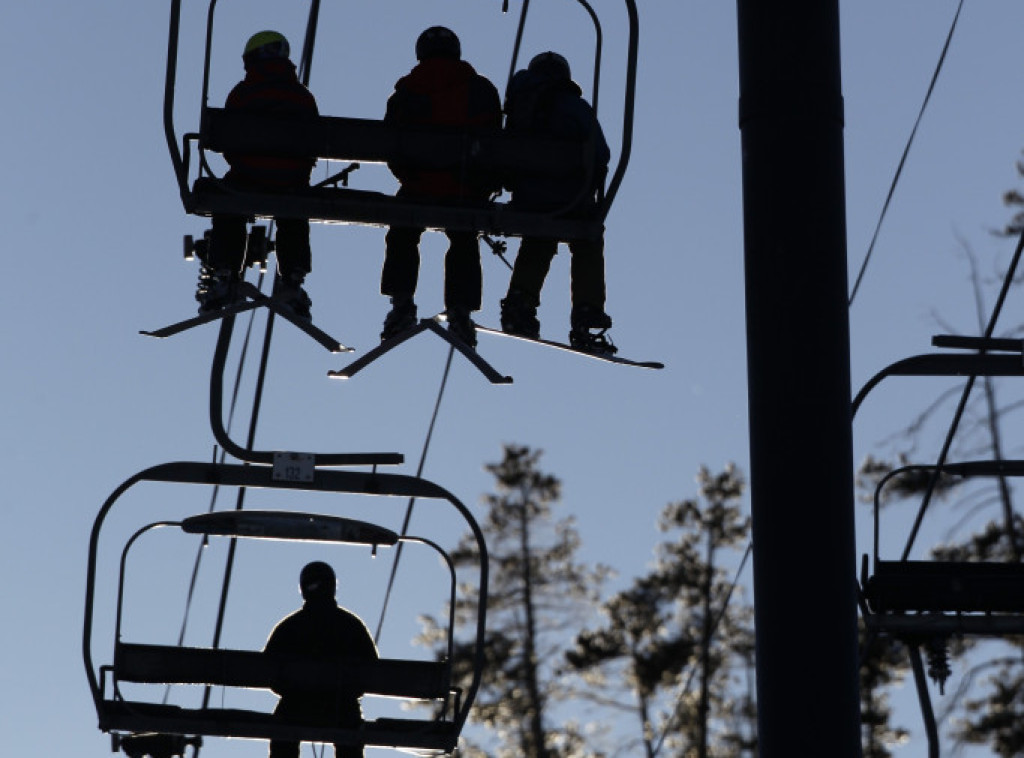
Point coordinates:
[(94, 230)]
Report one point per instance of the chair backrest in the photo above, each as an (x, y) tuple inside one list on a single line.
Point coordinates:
[(367, 140), (159, 664)]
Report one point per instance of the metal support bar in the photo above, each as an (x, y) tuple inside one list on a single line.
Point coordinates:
[(799, 400)]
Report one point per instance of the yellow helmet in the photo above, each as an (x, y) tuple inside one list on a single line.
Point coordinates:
[(266, 44)]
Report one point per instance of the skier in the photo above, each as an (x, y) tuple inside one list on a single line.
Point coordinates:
[(270, 86), (442, 89)]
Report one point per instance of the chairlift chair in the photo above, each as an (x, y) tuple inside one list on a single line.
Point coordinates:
[(924, 603), (933, 597), (371, 141), (148, 726)]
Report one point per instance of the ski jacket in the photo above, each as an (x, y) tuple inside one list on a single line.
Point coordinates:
[(542, 107), (444, 92), (269, 87), (324, 631)]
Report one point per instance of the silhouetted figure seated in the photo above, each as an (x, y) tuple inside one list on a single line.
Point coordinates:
[(544, 101), (441, 90), (270, 86), (320, 630)]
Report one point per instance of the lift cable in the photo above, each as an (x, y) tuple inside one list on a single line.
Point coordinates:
[(216, 490), (412, 500), (961, 407), (240, 500), (906, 151), (670, 724)]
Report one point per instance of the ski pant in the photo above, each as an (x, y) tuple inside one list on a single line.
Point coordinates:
[(315, 712), (586, 269), (228, 242), (463, 276)]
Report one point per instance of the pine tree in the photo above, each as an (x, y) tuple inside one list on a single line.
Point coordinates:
[(678, 638), (538, 593), (883, 663)]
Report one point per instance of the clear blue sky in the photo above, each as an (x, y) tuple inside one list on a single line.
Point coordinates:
[(93, 232)]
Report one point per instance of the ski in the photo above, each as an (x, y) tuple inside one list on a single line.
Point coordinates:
[(256, 299)]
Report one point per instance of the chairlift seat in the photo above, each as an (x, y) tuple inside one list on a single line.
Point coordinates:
[(344, 205), (945, 586), (373, 141), (158, 664), (139, 717), (366, 140)]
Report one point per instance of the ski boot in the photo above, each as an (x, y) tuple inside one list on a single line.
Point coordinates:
[(461, 325), (519, 317), (216, 289), (402, 317), (289, 292), (588, 325)]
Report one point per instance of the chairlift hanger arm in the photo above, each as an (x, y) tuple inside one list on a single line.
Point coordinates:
[(220, 432), (627, 114), (944, 364)]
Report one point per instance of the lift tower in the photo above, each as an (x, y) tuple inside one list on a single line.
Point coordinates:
[(798, 354)]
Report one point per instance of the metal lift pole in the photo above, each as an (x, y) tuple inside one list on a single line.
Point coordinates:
[(798, 358)]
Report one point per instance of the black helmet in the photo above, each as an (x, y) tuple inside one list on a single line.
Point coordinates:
[(317, 580), (438, 42), (550, 65)]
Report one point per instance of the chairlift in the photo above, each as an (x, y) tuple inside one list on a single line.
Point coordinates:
[(925, 603), (947, 597), (358, 141), (149, 726)]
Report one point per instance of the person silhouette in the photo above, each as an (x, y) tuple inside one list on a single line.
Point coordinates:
[(270, 86), (322, 631), (544, 101), (441, 90)]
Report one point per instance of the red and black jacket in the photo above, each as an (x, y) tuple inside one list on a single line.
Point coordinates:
[(444, 92), (270, 86)]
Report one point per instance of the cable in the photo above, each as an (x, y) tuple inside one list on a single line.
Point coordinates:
[(961, 407), (240, 500), (906, 151), (412, 501), (216, 490)]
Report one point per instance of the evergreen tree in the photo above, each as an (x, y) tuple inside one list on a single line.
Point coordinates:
[(678, 639), (883, 663), (538, 594)]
